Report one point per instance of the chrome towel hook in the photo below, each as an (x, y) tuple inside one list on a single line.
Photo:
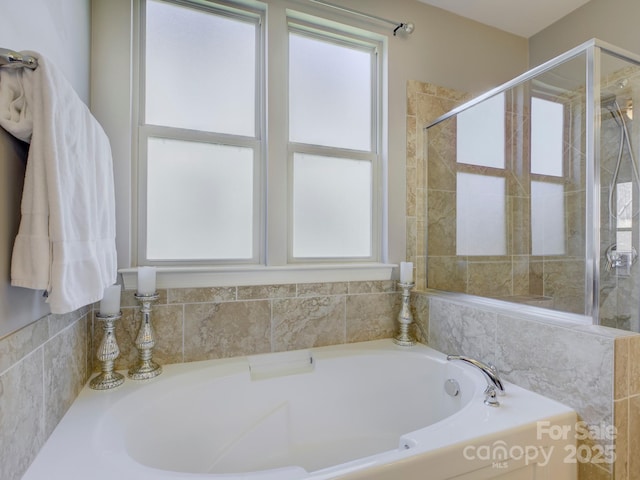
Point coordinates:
[(11, 59)]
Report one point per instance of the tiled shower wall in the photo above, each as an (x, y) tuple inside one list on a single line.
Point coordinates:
[(425, 103), (431, 208), (43, 367)]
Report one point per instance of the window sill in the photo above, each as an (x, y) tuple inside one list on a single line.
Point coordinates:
[(194, 277)]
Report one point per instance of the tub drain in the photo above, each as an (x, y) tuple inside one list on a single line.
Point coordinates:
[(452, 387)]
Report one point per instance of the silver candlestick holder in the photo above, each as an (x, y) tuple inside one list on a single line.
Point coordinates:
[(107, 353), (145, 368), (404, 338)]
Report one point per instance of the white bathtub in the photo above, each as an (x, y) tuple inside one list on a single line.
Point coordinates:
[(370, 410)]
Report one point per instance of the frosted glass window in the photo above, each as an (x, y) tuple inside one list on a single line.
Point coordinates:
[(547, 219), (199, 201), (480, 133), (547, 129), (332, 207), (330, 94), (480, 215), (200, 70)]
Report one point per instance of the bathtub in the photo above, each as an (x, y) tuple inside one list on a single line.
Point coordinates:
[(369, 410)]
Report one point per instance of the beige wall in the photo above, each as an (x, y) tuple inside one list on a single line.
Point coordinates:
[(613, 21), (59, 30)]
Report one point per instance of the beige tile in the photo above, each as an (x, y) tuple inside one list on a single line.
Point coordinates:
[(621, 368), (217, 330), (559, 283), (378, 286), (621, 423), (420, 311), (411, 173), (411, 141), (308, 322), (634, 365), (634, 438), (490, 279), (201, 295), (590, 471), (441, 224), (371, 317), (259, 292), (411, 233), (168, 325), (447, 273), (322, 289)]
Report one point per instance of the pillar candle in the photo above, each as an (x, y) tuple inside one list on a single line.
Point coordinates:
[(146, 280), (110, 303), (406, 272)]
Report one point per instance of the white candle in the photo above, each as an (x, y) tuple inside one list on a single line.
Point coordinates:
[(146, 280), (406, 272), (110, 303)]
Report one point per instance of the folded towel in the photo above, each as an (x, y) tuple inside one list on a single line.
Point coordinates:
[(66, 240)]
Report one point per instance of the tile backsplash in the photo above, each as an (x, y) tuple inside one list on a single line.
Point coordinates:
[(203, 323)]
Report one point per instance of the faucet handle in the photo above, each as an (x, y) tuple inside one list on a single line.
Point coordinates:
[(490, 372), (490, 396)]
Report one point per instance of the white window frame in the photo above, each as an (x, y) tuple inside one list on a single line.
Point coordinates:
[(146, 131), (114, 34), (372, 156)]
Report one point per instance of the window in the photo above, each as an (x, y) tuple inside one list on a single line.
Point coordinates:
[(481, 222), (333, 146), (206, 140), (547, 182), (480, 133), (199, 143)]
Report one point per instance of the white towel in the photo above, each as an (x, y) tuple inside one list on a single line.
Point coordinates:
[(66, 240)]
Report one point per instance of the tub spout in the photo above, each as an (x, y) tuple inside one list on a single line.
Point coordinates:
[(490, 372)]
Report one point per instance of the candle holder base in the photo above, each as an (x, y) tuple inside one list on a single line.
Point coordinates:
[(145, 370), (405, 318), (107, 381)]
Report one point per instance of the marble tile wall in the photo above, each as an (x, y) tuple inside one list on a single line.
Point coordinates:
[(203, 323), (43, 367), (595, 370)]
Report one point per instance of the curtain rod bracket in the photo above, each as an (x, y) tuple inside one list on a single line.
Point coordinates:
[(406, 27)]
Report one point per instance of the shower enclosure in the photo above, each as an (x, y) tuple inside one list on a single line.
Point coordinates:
[(532, 189)]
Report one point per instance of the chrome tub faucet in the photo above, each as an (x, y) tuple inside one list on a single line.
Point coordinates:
[(490, 372)]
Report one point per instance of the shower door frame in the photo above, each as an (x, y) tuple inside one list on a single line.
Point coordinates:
[(592, 49)]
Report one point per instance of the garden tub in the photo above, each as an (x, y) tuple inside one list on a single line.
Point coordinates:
[(370, 410)]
